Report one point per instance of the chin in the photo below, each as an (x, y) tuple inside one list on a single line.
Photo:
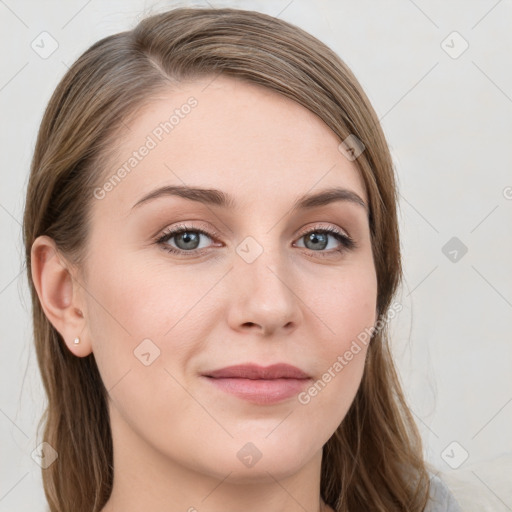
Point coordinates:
[(273, 468), (252, 461)]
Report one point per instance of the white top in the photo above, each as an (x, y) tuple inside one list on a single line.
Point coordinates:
[(441, 499)]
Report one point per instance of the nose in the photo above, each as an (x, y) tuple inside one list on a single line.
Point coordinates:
[(263, 297)]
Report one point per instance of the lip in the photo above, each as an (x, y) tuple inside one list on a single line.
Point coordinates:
[(254, 371), (262, 385)]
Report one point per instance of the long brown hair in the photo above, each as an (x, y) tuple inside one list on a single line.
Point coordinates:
[(374, 459)]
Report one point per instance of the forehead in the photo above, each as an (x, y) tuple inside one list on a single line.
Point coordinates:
[(255, 144)]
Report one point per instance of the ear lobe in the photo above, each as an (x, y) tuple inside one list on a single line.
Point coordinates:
[(60, 302)]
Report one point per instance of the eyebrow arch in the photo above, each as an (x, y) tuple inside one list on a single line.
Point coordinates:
[(218, 198)]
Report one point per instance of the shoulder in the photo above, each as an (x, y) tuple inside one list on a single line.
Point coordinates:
[(440, 498)]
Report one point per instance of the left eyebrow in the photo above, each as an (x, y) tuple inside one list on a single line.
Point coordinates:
[(219, 198)]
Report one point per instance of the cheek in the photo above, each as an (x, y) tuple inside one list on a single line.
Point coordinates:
[(131, 308), (348, 312), (136, 308), (137, 300), (121, 314), (347, 309)]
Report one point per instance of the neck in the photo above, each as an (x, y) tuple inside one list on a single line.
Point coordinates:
[(146, 479)]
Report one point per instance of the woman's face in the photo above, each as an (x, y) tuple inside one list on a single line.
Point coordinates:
[(265, 285)]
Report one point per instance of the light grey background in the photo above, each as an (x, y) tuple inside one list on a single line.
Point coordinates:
[(448, 120)]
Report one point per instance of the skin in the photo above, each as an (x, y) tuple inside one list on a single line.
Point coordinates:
[(176, 436)]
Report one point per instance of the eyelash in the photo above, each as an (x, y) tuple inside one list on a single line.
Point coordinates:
[(347, 243)]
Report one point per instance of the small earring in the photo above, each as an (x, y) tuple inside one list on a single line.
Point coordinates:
[(77, 341)]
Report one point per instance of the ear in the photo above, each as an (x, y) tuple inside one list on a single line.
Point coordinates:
[(59, 294)]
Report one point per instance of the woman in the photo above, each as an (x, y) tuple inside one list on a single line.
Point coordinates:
[(212, 250)]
